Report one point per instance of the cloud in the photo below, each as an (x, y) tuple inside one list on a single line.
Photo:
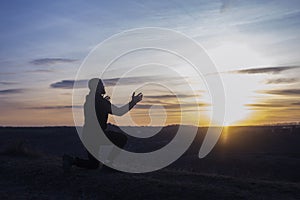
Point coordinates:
[(52, 61), (265, 105), (170, 96), (282, 80), (274, 104), (138, 106), (290, 92), (54, 107), (40, 71), (69, 84), (296, 103), (136, 80), (269, 70), (11, 91), (8, 82), (124, 81), (172, 106), (7, 73), (145, 100)]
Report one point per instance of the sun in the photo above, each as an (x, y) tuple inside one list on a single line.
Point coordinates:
[(226, 124), (235, 114), (240, 89)]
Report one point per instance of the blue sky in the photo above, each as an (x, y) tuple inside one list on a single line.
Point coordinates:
[(44, 42)]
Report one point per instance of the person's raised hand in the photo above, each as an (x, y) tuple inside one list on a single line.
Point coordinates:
[(136, 98), (107, 98)]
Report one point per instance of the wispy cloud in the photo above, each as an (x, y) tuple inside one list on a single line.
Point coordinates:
[(265, 105), (269, 70), (7, 73), (125, 80), (170, 96), (136, 80), (288, 92), (282, 81), (11, 91), (54, 107), (52, 61), (173, 106), (8, 82), (69, 84), (40, 71), (274, 104)]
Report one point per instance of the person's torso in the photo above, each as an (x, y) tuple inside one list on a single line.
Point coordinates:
[(98, 106)]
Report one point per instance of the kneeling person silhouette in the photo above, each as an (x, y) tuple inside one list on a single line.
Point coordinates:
[(103, 108)]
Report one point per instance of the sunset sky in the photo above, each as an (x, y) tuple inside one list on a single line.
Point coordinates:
[(254, 44)]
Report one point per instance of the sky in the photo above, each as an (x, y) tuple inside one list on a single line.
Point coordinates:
[(254, 45)]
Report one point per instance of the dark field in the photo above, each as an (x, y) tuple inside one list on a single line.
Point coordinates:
[(246, 163)]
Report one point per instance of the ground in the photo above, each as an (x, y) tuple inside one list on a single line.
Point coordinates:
[(30, 168), (43, 178)]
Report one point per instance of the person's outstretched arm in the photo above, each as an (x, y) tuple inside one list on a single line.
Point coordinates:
[(119, 111)]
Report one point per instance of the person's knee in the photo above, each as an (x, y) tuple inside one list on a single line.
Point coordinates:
[(118, 139), (121, 140)]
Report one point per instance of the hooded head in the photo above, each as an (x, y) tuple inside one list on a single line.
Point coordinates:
[(96, 85)]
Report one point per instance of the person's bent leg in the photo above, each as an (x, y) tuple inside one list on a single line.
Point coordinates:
[(119, 140)]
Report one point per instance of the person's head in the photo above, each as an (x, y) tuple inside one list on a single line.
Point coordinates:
[(96, 85)]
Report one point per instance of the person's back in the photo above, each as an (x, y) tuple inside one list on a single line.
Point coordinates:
[(101, 106)]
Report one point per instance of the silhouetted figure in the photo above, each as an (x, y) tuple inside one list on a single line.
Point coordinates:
[(96, 100)]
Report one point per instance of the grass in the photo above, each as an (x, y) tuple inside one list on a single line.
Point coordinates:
[(19, 148)]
